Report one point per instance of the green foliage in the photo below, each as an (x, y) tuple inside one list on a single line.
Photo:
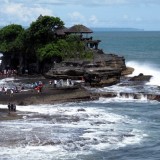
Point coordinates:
[(87, 55), (39, 41), (48, 51), (42, 31), (68, 48), (11, 38), (10, 32), (77, 48)]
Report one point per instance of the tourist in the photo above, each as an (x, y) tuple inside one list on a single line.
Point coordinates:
[(14, 107), (55, 83), (37, 89), (11, 92), (16, 89), (5, 90), (61, 82), (70, 82), (67, 82), (9, 107), (50, 82)]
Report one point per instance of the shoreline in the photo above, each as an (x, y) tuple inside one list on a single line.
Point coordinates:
[(47, 96)]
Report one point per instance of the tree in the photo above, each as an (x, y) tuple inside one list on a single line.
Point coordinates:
[(67, 48), (10, 38), (11, 44), (39, 44), (48, 51), (42, 31)]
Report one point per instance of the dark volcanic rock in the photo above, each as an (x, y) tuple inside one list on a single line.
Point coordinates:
[(65, 72), (102, 76), (141, 77), (103, 70), (148, 96), (109, 60), (127, 71)]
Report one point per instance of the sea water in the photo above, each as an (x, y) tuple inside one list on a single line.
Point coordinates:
[(117, 128)]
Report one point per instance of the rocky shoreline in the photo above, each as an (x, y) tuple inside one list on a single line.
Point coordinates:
[(106, 70), (76, 93), (47, 96), (51, 95)]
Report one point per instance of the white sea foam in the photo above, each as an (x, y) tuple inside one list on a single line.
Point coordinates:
[(118, 89), (6, 80), (122, 100), (146, 69), (93, 129)]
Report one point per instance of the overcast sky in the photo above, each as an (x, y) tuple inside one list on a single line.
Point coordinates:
[(142, 14)]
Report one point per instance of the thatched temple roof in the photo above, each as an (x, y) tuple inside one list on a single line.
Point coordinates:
[(61, 31), (79, 29)]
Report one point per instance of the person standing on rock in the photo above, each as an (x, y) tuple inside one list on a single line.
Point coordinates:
[(9, 107), (11, 93), (55, 83), (14, 107)]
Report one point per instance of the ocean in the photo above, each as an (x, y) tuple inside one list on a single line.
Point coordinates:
[(119, 128)]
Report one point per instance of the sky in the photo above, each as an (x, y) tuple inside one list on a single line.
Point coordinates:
[(141, 14)]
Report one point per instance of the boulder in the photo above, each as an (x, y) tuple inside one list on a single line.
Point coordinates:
[(102, 76), (141, 77), (127, 71)]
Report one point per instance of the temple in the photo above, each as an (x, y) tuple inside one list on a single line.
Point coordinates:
[(80, 30)]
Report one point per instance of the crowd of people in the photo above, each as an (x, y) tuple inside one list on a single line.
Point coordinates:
[(14, 89), (61, 83), (8, 72), (38, 86), (11, 107)]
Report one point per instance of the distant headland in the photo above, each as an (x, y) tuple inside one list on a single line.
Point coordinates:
[(116, 29), (102, 29)]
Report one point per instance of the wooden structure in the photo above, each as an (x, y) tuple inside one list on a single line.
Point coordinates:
[(60, 32), (81, 29)]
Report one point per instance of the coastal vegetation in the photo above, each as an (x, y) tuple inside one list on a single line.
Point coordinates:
[(39, 44), (47, 47)]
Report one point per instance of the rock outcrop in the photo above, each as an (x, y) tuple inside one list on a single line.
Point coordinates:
[(147, 96), (141, 77), (127, 71), (102, 70)]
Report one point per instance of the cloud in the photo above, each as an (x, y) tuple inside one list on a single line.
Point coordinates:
[(76, 16), (84, 2), (20, 12), (90, 13), (93, 19), (89, 3)]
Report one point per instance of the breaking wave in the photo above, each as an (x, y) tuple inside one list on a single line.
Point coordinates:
[(66, 130), (146, 69)]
